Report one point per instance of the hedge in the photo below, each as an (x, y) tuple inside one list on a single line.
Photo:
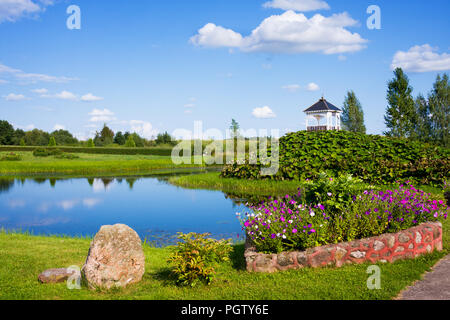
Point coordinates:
[(372, 158), (119, 151)]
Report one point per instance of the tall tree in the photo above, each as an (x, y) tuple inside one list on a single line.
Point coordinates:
[(104, 137), (234, 127), (401, 116), (423, 125), (119, 138), (439, 105), (6, 133), (353, 114), (64, 137)]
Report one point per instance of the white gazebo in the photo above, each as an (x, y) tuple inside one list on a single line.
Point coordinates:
[(323, 110)]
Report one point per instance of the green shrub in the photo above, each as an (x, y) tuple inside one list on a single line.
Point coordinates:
[(374, 159), (334, 193), (11, 157), (41, 152), (90, 143), (130, 142), (52, 142), (194, 257), (67, 156)]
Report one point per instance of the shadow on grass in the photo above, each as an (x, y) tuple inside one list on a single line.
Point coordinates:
[(163, 275), (237, 257)]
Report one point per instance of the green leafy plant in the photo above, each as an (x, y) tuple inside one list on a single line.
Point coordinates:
[(194, 257), (11, 157), (41, 152), (371, 158)]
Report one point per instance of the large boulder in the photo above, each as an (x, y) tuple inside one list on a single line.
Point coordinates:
[(115, 258)]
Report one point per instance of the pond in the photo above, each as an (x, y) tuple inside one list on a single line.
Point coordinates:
[(150, 205)]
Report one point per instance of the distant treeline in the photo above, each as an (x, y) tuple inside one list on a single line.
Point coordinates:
[(105, 138)]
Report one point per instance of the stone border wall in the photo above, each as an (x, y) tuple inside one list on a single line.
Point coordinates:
[(406, 244)]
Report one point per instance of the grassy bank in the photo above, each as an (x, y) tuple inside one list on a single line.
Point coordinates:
[(88, 164), (212, 181), (24, 257)]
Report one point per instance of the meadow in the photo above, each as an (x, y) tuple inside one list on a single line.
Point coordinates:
[(88, 164)]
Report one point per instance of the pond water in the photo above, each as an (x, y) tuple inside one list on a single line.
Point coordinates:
[(154, 208)]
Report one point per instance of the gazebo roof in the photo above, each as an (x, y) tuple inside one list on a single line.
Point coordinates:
[(323, 106)]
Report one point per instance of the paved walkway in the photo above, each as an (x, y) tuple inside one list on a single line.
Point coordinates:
[(435, 285)]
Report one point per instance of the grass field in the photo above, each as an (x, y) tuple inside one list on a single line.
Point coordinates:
[(88, 164), (24, 256), (212, 181)]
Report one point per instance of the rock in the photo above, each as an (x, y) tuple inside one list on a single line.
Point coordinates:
[(358, 254), (378, 245), (418, 238), (285, 259), (403, 238), (56, 275), (302, 259), (115, 258)]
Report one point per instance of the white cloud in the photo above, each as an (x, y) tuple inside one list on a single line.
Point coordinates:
[(91, 202), (101, 115), (68, 204), (297, 5), (312, 87), (215, 36), (15, 97), (63, 95), (263, 113), (289, 32), (291, 87), (32, 77), (143, 128), (59, 127), (189, 105), (3, 81), (40, 91), (90, 98), (11, 10), (421, 59)]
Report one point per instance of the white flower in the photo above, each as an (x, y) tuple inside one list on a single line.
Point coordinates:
[(284, 236), (312, 214), (291, 221)]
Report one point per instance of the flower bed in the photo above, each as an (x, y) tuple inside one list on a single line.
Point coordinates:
[(289, 224), (394, 223), (406, 244)]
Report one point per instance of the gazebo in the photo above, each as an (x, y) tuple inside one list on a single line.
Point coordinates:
[(323, 110)]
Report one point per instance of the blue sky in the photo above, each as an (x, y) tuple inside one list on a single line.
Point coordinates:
[(151, 66)]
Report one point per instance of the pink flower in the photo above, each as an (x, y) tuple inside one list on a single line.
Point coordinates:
[(294, 231)]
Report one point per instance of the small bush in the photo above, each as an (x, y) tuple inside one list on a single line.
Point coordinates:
[(41, 152), (11, 157), (194, 257), (67, 156)]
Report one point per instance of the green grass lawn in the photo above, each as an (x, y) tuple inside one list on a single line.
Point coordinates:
[(212, 181), (23, 257), (88, 164)]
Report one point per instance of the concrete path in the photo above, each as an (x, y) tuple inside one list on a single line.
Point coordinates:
[(435, 285)]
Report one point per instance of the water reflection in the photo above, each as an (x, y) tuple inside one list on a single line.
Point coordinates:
[(148, 204)]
